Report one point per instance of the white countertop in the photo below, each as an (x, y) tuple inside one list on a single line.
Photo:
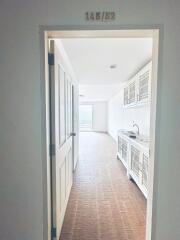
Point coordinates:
[(141, 140)]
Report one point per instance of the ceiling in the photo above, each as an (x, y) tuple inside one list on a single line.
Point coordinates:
[(91, 59), (97, 92)]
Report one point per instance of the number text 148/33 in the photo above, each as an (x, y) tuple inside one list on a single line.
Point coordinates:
[(100, 16)]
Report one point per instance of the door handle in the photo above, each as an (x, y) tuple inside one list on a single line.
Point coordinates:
[(73, 134)]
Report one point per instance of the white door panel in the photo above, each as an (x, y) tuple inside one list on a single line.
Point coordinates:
[(75, 127), (61, 139)]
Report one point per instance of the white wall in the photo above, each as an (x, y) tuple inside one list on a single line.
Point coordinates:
[(21, 197), (99, 116), (120, 117)]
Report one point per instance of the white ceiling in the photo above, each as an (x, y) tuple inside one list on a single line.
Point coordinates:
[(91, 59), (97, 92)]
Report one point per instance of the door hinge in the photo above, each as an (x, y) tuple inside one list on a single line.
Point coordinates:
[(51, 59), (52, 149), (53, 233)]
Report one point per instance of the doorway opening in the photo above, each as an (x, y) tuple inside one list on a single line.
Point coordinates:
[(64, 157), (85, 117)]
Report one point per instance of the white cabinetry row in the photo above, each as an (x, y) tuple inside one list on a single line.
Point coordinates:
[(135, 158), (138, 89)]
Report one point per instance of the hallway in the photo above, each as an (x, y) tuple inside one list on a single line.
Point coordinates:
[(103, 204)]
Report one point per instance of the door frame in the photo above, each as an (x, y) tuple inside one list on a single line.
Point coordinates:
[(154, 31)]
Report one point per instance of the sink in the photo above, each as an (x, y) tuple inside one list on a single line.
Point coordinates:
[(134, 135), (143, 140), (130, 134)]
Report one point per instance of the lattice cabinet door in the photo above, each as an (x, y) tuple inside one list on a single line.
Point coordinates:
[(144, 84), (120, 146), (126, 96), (132, 92), (145, 160), (135, 161), (124, 150)]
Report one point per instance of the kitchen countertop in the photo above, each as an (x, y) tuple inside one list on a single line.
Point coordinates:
[(142, 141)]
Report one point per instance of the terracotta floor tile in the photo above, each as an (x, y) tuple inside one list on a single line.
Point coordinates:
[(103, 204)]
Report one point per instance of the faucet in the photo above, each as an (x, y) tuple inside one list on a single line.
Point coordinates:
[(136, 125)]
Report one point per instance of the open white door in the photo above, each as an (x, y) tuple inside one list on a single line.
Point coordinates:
[(61, 136), (75, 120)]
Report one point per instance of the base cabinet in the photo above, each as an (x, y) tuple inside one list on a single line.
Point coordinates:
[(139, 167), (135, 158)]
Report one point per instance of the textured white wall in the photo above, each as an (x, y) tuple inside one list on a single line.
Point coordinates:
[(120, 117), (21, 207)]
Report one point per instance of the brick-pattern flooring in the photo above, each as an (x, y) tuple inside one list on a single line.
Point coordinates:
[(103, 204)]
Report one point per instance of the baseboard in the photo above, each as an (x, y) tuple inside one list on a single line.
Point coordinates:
[(114, 139)]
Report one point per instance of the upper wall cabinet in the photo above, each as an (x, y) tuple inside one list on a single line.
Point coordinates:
[(126, 95), (138, 89), (144, 83), (130, 92)]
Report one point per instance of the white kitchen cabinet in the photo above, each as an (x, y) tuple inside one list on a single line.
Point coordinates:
[(144, 84), (135, 161), (138, 89), (123, 150), (126, 95), (130, 92), (139, 167), (135, 157), (145, 160)]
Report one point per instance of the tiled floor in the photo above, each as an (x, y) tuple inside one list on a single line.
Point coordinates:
[(103, 204)]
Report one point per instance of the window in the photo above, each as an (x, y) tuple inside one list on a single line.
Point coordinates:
[(85, 117)]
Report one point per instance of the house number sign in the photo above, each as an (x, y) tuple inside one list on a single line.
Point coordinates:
[(100, 16)]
